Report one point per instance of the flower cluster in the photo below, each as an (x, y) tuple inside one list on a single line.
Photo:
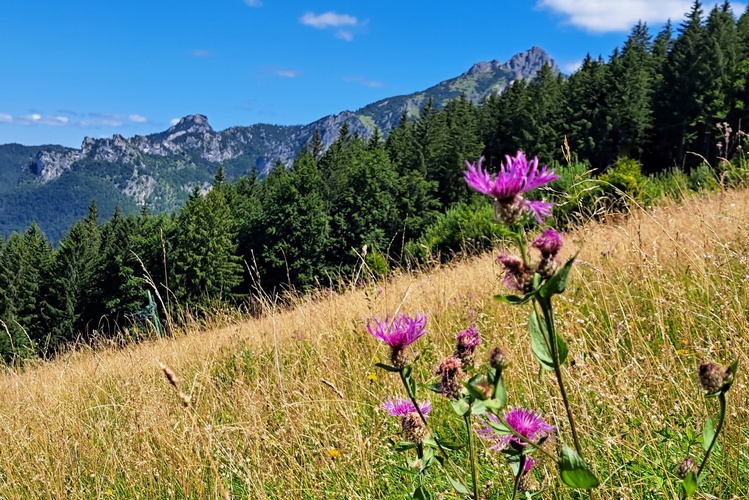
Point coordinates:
[(451, 374), (516, 177)]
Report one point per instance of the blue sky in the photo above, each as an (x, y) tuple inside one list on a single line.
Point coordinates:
[(78, 68)]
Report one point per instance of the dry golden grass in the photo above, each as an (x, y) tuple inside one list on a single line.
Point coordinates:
[(288, 402)]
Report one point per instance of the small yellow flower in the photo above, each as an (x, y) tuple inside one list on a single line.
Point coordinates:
[(372, 376), (682, 352), (334, 453)]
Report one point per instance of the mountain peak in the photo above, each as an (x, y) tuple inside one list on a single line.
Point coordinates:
[(530, 60), (192, 123)]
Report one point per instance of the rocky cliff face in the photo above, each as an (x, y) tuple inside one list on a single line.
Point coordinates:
[(193, 143)]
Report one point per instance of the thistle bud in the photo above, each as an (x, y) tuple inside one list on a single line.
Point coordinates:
[(497, 359), (685, 467), (413, 428), (713, 377), (451, 372)]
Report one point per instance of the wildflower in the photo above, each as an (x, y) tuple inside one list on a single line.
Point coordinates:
[(467, 340), (413, 427), (398, 332), (524, 422), (497, 359), (334, 453), (549, 244), (685, 467), (451, 372), (516, 176), (399, 407), (518, 276), (714, 377)]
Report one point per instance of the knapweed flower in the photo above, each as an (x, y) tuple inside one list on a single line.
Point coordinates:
[(450, 371), (413, 427), (399, 407), (515, 177), (527, 423), (467, 341), (497, 359), (518, 276), (714, 377), (549, 243), (398, 332)]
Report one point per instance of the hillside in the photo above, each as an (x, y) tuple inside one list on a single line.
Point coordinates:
[(289, 401), (159, 170)]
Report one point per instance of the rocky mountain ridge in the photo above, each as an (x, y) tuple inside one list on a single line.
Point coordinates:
[(160, 169)]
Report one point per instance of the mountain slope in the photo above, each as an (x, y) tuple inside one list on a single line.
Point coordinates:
[(53, 185)]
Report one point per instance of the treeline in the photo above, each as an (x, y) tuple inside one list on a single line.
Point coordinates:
[(660, 103)]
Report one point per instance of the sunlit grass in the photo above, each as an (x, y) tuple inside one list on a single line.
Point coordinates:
[(288, 403)]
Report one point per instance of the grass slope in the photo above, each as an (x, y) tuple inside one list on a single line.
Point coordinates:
[(288, 403)]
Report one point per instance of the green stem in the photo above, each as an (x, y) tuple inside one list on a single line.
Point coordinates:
[(521, 466), (721, 419), (472, 457), (548, 313), (519, 234)]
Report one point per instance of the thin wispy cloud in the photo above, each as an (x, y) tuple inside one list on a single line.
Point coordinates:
[(363, 81), (201, 53), (571, 67), (174, 121), (282, 72), (74, 119), (603, 16), (253, 3), (344, 23)]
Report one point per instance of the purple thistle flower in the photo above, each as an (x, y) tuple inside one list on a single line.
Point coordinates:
[(549, 243), (517, 275), (527, 423), (469, 338), (400, 332), (529, 463), (399, 407), (515, 177)]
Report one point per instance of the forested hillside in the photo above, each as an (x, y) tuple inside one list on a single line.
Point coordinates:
[(671, 105)]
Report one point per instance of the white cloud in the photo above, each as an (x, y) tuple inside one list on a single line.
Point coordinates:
[(174, 121), (74, 119), (344, 35), (287, 73), (137, 118), (571, 67), (254, 3), (6, 118), (201, 53), (603, 16), (328, 20), (363, 81)]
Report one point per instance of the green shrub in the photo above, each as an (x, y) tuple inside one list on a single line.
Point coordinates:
[(575, 193), (377, 264), (672, 184), (624, 184), (702, 178)]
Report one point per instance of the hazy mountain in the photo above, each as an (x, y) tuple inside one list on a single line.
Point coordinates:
[(53, 185)]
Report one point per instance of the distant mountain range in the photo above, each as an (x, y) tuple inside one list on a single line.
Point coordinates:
[(53, 185)]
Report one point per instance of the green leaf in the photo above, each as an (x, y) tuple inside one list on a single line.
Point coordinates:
[(387, 367), (404, 445), (708, 433), (515, 300), (421, 493), (574, 472), (460, 407), (451, 445), (478, 407), (539, 343), (433, 387), (500, 394), (689, 483), (458, 486), (558, 282)]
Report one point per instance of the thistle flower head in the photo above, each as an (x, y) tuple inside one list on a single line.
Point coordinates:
[(518, 276), (451, 372), (399, 331), (516, 176), (525, 422), (549, 243), (685, 467), (713, 377), (497, 359), (399, 407), (467, 341)]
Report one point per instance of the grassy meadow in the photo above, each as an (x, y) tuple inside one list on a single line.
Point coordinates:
[(287, 405)]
